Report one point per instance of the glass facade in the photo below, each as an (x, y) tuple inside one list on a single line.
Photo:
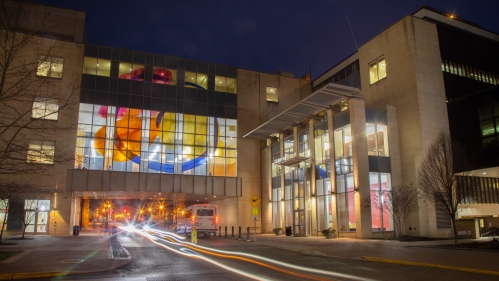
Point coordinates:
[(377, 140), (133, 140), (380, 186)]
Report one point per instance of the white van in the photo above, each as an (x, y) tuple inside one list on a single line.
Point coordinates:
[(204, 217)]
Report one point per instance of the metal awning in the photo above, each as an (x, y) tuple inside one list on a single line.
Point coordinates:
[(316, 102)]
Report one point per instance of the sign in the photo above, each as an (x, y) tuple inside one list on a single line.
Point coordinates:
[(254, 200), (194, 236), (255, 218), (255, 211)]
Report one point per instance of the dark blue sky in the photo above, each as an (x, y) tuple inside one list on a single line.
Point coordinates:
[(265, 36)]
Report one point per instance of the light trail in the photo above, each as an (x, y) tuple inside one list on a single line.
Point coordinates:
[(248, 258)]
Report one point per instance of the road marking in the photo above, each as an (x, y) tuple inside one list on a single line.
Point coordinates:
[(472, 270)]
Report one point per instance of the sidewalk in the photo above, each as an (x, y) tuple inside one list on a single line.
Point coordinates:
[(59, 255), (418, 253)]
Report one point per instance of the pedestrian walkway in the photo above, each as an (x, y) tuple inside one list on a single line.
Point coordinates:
[(45, 256), (418, 253)]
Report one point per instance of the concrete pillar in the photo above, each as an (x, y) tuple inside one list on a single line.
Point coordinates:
[(332, 165), (360, 168), (86, 213)]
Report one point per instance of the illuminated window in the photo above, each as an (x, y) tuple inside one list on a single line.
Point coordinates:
[(131, 71), (50, 66), (225, 84), (95, 66), (377, 139), (377, 70), (41, 152), (45, 108), (196, 80), (164, 76), (272, 94)]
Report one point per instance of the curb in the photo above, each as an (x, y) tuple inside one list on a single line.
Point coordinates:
[(410, 263)]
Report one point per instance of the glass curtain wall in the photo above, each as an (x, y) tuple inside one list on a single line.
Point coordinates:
[(344, 179), (380, 186), (133, 140), (276, 187), (323, 175)]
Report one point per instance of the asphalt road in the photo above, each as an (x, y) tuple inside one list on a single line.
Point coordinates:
[(167, 259)]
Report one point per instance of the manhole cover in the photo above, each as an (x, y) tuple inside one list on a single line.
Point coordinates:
[(72, 261)]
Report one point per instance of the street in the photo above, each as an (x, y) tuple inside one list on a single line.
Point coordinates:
[(163, 256)]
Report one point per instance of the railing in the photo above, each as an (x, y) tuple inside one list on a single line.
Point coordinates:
[(494, 230)]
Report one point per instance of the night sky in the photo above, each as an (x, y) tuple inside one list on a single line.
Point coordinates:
[(267, 36)]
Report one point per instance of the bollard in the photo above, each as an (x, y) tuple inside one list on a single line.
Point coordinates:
[(225, 232), (239, 233), (219, 231), (247, 234), (232, 234)]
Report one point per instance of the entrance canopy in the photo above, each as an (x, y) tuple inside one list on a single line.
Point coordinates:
[(318, 101)]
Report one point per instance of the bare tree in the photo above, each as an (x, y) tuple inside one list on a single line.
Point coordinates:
[(398, 204), (438, 176), (31, 95), (29, 214)]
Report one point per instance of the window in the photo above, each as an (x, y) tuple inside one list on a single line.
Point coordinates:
[(131, 71), (343, 150), (465, 71), (50, 66), (380, 186), (164, 76), (41, 152), (377, 139), (196, 80), (95, 66), (377, 70), (45, 108), (225, 84), (272, 94)]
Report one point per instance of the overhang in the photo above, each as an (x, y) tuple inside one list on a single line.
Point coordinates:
[(307, 108)]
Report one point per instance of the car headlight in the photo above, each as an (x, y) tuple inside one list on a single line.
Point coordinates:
[(129, 228), (146, 228)]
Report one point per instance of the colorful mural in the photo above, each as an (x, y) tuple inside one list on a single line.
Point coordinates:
[(128, 139)]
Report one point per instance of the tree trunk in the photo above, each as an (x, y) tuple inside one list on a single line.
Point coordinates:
[(1, 232), (453, 219), (24, 229)]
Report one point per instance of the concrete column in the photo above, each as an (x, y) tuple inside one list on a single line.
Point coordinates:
[(360, 168), (332, 165), (86, 213), (313, 187), (393, 145)]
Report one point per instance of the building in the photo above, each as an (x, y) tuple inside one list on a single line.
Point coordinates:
[(158, 128)]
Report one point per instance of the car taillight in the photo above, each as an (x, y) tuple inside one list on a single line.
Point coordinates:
[(216, 219), (193, 218)]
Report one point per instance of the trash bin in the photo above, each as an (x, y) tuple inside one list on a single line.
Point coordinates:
[(76, 230), (289, 231)]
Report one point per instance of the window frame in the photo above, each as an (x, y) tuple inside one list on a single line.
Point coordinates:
[(45, 115), (376, 64), (42, 60), (39, 153), (275, 94)]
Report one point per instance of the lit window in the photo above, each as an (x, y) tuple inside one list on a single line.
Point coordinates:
[(45, 108), (41, 152), (272, 94), (225, 84), (377, 139), (164, 76), (196, 80), (377, 70), (131, 71), (50, 66), (95, 66)]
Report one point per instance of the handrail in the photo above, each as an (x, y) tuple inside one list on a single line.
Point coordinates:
[(494, 230)]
